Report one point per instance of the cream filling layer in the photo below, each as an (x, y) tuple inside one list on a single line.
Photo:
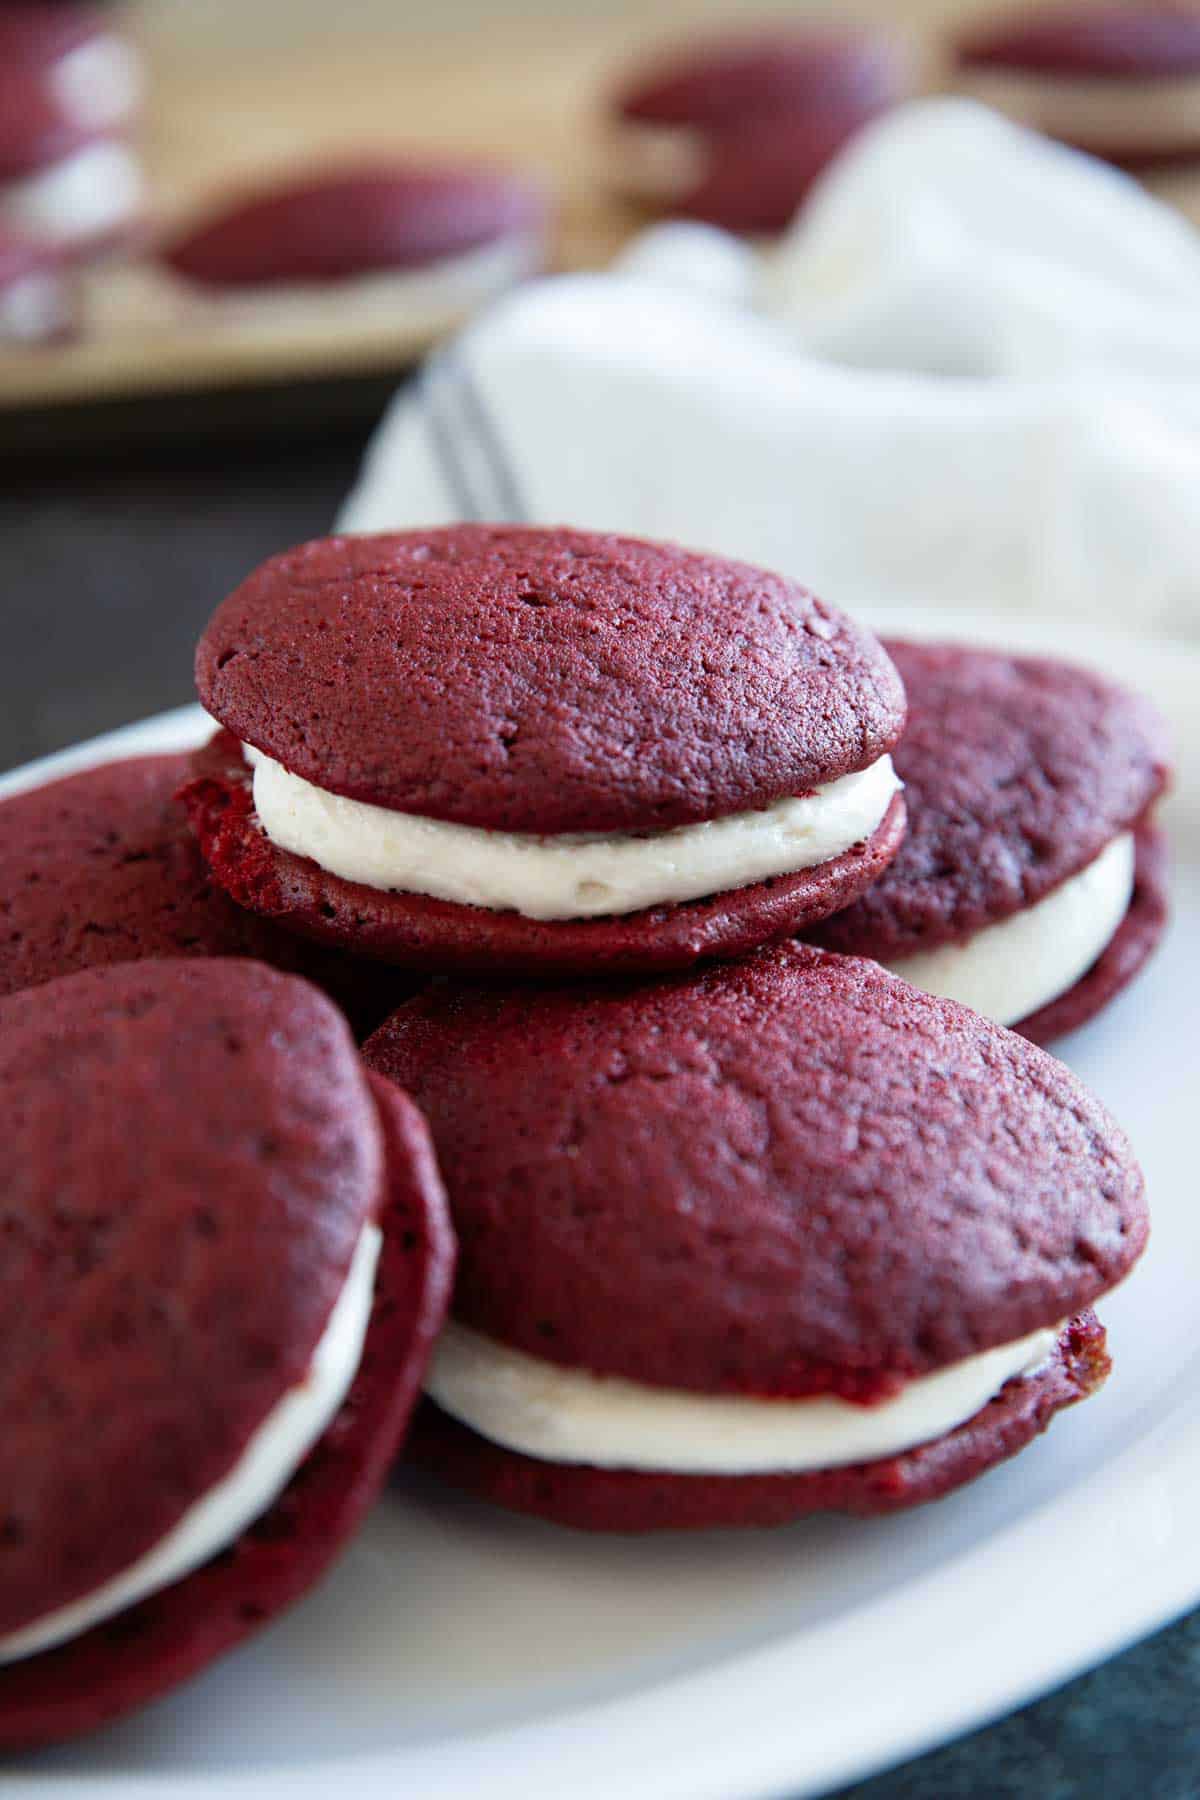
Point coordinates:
[(86, 195), (1009, 970), (33, 307), (573, 875), (263, 1470), (1113, 114), (571, 1416), (99, 83)]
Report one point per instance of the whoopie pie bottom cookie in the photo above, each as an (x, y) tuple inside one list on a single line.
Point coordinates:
[(738, 1246)]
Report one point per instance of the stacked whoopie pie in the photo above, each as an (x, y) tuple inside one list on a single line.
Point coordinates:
[(747, 1228), (69, 89)]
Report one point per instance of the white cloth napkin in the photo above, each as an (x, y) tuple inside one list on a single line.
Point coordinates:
[(1021, 431)]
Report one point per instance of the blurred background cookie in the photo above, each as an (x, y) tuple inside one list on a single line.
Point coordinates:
[(734, 131), (363, 241), (1119, 81), (70, 87)]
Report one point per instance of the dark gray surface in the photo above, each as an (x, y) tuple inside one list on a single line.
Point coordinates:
[(108, 571), (1128, 1731)]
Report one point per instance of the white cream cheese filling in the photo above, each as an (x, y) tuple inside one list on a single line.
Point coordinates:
[(1113, 114), (573, 875), (86, 195), (571, 1416), (33, 307), (1009, 970), (99, 83), (263, 1470)]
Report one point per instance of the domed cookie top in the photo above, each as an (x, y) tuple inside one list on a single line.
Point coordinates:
[(196, 1177), (330, 227), (754, 177), (1092, 42), (189, 1157), (734, 131), (734, 80), (544, 681), (792, 1176)]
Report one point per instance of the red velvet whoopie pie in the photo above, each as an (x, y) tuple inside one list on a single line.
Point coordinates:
[(225, 1255), (1031, 883), (761, 1240), (501, 748)]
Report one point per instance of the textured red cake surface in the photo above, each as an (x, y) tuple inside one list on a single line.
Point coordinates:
[(788, 1176)]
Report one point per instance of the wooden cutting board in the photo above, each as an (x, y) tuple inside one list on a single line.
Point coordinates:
[(239, 100)]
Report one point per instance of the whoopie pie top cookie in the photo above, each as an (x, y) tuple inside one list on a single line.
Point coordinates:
[(541, 749), (328, 228), (737, 79), (753, 178), (767, 1228), (1121, 81), (101, 868), (1031, 873), (735, 130), (226, 1255)]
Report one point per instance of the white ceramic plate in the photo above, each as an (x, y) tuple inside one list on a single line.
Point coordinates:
[(456, 1651)]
